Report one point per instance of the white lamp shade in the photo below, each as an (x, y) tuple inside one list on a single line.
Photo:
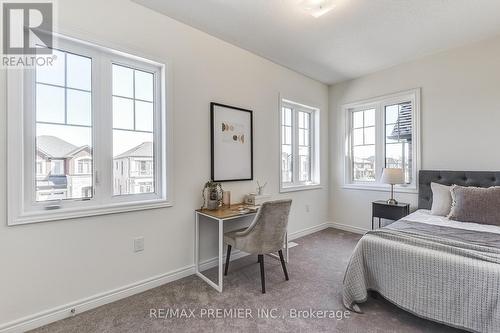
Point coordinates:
[(392, 176)]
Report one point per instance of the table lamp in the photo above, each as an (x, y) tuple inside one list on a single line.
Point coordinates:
[(392, 176)]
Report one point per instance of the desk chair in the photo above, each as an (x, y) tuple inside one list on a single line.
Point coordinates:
[(265, 235)]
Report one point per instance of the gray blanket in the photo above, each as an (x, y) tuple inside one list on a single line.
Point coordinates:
[(448, 275)]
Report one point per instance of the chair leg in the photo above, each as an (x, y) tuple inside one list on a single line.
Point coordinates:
[(283, 264), (228, 255), (262, 275)]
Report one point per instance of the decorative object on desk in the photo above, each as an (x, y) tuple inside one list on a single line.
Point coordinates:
[(226, 198), (254, 199), (392, 176), (243, 210), (231, 143), (260, 188), (213, 191)]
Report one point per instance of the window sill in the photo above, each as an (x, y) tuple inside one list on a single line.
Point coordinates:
[(380, 188), (73, 213), (300, 188)]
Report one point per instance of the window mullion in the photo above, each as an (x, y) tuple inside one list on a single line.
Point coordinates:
[(350, 145), (29, 140), (379, 141), (294, 146), (103, 129), (311, 148)]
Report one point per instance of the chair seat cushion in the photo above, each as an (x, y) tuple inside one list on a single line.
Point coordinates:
[(238, 240), (230, 237)]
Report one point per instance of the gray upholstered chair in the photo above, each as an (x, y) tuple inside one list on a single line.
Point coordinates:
[(265, 235)]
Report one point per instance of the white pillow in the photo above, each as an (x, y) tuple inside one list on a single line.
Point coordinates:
[(441, 199)]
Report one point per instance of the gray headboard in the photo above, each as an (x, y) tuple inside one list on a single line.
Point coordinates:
[(463, 178)]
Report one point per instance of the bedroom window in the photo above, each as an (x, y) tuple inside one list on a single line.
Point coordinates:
[(382, 133), (299, 164), (133, 128), (87, 136), (363, 145)]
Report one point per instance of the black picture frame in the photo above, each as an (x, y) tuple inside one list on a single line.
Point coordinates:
[(213, 145)]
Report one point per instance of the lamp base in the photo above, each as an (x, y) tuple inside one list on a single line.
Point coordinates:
[(392, 202)]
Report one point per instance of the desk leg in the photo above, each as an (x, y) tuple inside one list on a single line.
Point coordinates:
[(216, 286), (221, 252), (197, 244)]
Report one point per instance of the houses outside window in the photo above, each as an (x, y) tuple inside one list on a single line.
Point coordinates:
[(95, 124), (299, 165), (85, 166), (382, 133), (137, 170)]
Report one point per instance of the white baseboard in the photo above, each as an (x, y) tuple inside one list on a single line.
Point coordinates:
[(64, 311), (308, 231), (347, 227)]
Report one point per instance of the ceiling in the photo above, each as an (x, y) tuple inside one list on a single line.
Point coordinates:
[(358, 37)]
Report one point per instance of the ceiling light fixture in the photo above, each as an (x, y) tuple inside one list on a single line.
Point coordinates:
[(316, 8)]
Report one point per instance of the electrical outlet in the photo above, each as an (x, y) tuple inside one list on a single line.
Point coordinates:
[(139, 244), (308, 209)]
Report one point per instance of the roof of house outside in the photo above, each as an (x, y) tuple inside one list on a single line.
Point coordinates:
[(145, 149), (403, 130), (54, 147)]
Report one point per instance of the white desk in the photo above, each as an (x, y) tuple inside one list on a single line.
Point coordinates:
[(221, 216)]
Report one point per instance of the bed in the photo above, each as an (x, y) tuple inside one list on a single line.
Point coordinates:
[(441, 270)]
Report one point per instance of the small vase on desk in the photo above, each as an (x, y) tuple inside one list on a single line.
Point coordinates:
[(212, 204), (226, 198)]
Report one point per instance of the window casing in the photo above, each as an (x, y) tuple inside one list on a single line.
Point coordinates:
[(382, 132), (299, 146), (36, 115)]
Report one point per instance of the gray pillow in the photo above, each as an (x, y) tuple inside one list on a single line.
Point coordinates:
[(475, 204), (441, 199)]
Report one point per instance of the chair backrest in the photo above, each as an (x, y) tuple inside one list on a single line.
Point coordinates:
[(268, 229)]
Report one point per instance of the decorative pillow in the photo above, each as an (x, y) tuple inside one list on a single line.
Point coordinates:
[(441, 199), (475, 204)]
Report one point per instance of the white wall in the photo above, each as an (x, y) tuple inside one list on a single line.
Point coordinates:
[(460, 117), (46, 265)]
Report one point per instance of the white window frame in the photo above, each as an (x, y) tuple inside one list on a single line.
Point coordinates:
[(22, 207), (379, 104), (314, 113)]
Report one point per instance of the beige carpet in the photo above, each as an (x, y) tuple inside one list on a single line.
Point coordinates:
[(316, 271)]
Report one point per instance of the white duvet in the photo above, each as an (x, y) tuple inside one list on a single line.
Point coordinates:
[(425, 216)]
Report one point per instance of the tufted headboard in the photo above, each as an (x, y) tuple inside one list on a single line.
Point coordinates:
[(463, 178)]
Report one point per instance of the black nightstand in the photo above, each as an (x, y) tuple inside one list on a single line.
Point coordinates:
[(383, 210)]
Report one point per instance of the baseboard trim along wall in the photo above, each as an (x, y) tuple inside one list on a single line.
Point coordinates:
[(65, 311), (347, 227), (308, 231), (77, 307)]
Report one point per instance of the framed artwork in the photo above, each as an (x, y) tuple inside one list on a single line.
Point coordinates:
[(231, 143)]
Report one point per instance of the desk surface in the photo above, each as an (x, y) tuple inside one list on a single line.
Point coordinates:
[(226, 212)]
